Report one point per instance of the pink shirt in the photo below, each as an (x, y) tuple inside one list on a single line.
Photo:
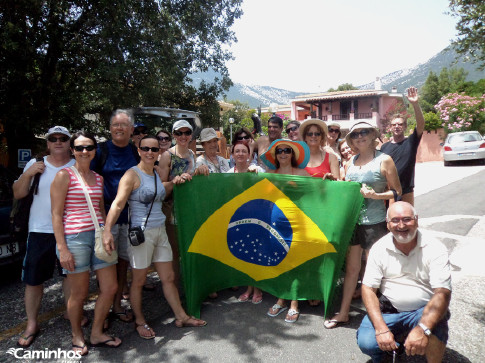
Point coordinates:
[(76, 216)]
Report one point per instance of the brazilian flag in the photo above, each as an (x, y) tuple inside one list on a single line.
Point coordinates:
[(285, 234)]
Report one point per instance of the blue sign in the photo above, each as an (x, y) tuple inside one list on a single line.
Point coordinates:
[(24, 156)]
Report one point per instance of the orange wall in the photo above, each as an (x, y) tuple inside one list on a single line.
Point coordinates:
[(429, 148)]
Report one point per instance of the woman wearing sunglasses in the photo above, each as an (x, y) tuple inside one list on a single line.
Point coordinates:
[(137, 186), (379, 179), (74, 232), (286, 157), (244, 135), (164, 141), (333, 137), (322, 164)]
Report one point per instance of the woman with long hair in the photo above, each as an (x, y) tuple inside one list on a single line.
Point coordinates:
[(378, 175)]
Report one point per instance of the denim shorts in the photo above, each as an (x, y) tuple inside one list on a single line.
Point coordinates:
[(40, 259), (400, 324), (81, 246)]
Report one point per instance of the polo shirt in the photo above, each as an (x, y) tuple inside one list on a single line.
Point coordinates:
[(408, 281)]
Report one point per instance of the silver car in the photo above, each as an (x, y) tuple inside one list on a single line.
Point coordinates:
[(466, 145)]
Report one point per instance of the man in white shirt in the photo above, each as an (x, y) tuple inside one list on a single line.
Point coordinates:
[(411, 270)]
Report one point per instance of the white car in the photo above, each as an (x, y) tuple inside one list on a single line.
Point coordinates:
[(466, 145)]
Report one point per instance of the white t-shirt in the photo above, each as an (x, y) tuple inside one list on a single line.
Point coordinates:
[(408, 281), (40, 211)]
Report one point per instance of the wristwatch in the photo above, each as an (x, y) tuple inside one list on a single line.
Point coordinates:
[(425, 329)]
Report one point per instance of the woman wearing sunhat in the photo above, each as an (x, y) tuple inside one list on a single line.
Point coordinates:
[(286, 157), (378, 175), (322, 164)]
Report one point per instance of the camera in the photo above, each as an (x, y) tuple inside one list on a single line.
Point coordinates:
[(136, 236)]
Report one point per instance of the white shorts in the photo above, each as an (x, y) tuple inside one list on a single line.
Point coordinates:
[(156, 248), (120, 236)]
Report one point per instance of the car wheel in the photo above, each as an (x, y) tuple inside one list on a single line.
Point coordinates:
[(447, 163)]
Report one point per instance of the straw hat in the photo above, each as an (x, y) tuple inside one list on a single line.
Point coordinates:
[(312, 121), (300, 149), (361, 125)]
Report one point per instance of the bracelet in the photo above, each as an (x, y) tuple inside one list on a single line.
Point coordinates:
[(384, 332)]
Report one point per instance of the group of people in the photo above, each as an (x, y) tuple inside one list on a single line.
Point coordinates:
[(141, 173)]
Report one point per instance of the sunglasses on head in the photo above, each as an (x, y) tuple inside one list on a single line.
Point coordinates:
[(355, 134), (334, 130), (310, 134), (286, 150), (163, 138), (245, 137), (82, 147), (180, 133), (63, 138), (289, 129), (139, 131), (147, 149)]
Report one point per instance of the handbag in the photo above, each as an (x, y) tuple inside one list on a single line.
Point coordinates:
[(20, 215), (136, 234), (99, 250)]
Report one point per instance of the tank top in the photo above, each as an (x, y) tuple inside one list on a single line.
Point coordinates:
[(180, 165), (374, 210), (141, 198), (321, 170), (77, 217)]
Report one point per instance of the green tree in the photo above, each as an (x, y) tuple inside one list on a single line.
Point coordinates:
[(343, 87), (471, 29), (241, 113), (61, 60), (430, 93)]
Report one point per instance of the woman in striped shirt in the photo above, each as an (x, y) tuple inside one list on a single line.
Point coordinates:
[(74, 232)]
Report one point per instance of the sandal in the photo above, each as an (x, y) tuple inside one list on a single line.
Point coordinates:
[(334, 323), (276, 310), (32, 336), (81, 349), (292, 316), (147, 328), (244, 297), (257, 299), (187, 324), (128, 317)]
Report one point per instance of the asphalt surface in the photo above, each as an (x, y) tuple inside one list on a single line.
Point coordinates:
[(449, 202)]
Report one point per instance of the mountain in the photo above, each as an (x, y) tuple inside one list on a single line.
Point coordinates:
[(256, 95), (416, 76)]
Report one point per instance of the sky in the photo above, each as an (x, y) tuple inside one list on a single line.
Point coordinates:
[(312, 45)]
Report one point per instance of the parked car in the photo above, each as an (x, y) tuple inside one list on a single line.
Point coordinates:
[(162, 118), (12, 249), (466, 145)]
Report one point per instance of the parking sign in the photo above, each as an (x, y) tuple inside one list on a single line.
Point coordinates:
[(24, 156)]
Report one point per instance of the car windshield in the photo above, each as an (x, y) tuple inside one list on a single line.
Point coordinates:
[(456, 139)]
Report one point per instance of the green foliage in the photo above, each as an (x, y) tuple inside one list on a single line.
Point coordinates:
[(437, 86), (343, 87), (460, 112), (61, 60), (470, 40), (432, 121), (430, 93)]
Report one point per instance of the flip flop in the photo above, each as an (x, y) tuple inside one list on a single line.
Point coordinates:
[(257, 299), (105, 344), (117, 316), (244, 297), (292, 316), (333, 323), (75, 346), (146, 327), (276, 310), (185, 323), (33, 336)]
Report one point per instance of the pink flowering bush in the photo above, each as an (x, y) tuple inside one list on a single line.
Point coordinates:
[(459, 112)]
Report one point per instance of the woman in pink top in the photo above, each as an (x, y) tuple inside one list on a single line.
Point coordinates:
[(74, 232), (322, 164)]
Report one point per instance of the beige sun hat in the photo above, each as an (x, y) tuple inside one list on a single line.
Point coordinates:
[(208, 134), (312, 121), (361, 125)]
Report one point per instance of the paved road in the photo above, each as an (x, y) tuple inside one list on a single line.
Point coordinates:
[(242, 332)]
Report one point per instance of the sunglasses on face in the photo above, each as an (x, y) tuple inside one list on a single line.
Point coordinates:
[(163, 138), (245, 137), (334, 130), (286, 150), (147, 149), (289, 129), (355, 134), (81, 148), (56, 139), (310, 134), (140, 131), (180, 133)]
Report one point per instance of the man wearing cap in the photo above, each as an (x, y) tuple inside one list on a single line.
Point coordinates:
[(113, 158), (403, 149), (292, 130), (210, 162), (40, 257), (411, 270), (139, 132), (275, 128)]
